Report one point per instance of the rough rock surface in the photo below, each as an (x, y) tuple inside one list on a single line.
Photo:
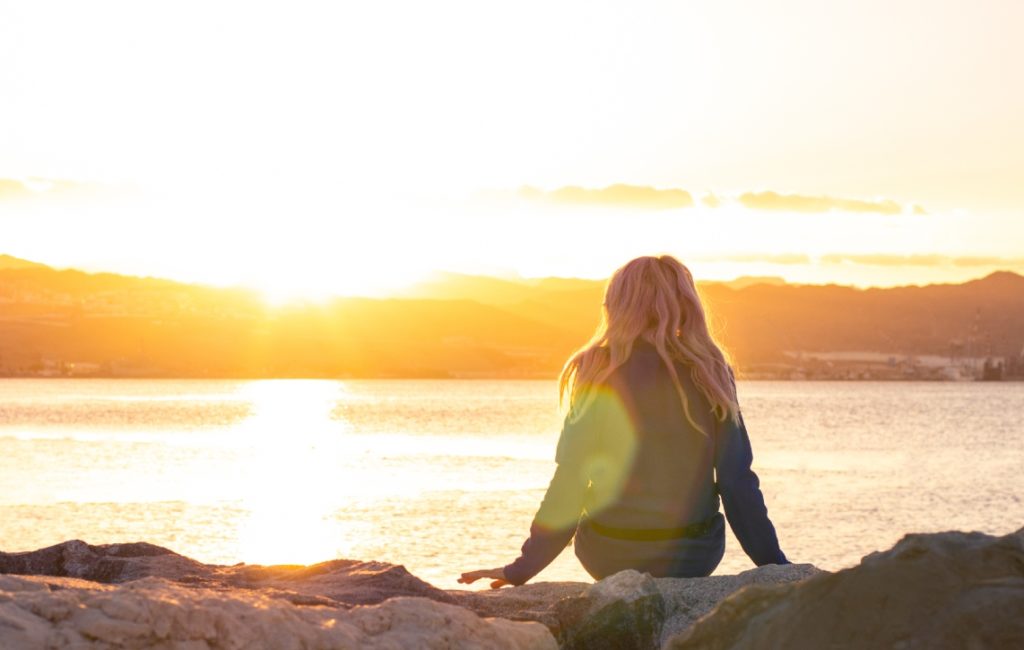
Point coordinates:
[(619, 605), (628, 610), (688, 599), (625, 610), (530, 602), (943, 590), (940, 590), (563, 605), (634, 610), (336, 582), (57, 613), (106, 563)]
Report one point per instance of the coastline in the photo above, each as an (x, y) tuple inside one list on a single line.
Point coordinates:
[(948, 589)]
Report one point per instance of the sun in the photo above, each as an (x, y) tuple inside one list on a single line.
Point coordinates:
[(320, 289), (278, 294)]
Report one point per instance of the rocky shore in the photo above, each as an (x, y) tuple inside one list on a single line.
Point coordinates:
[(955, 590)]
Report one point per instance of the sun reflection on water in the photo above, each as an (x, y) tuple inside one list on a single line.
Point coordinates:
[(290, 472)]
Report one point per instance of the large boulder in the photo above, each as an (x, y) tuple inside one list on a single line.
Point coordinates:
[(943, 590), (59, 613), (108, 563), (336, 582), (533, 601), (688, 599), (625, 610), (345, 582)]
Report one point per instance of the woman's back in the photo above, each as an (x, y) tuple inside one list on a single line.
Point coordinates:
[(669, 480)]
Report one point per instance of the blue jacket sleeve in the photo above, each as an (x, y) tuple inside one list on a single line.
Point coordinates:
[(550, 532), (556, 519), (741, 495)]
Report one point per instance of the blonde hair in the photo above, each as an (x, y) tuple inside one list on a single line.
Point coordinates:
[(653, 299)]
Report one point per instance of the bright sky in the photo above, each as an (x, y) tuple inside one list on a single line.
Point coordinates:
[(312, 147)]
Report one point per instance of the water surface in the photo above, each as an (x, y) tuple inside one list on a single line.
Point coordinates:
[(445, 476)]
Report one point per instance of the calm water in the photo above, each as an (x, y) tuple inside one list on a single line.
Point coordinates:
[(444, 476)]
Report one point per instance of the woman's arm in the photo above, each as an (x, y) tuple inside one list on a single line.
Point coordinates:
[(595, 446), (553, 526), (559, 512), (741, 495)]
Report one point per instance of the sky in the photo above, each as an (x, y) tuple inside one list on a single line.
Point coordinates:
[(312, 148)]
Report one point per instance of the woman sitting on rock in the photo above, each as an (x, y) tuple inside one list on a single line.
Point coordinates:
[(653, 437)]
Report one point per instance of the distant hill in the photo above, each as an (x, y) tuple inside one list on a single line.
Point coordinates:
[(9, 262), (146, 326), (986, 315), (750, 280), (457, 325), (758, 318)]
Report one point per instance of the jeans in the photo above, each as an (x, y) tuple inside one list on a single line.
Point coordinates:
[(684, 557)]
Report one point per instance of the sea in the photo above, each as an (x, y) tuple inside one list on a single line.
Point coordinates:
[(444, 476)]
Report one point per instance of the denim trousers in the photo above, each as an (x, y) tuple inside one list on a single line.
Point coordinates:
[(684, 557)]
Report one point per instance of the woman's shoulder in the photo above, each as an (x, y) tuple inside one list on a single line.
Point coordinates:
[(644, 365)]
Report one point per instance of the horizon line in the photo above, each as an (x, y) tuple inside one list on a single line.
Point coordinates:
[(768, 279)]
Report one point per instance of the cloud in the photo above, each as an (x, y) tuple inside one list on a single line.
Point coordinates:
[(868, 259), (711, 200), (31, 188), (621, 196), (651, 198), (885, 259), (989, 261), (12, 189), (922, 260), (769, 258), (814, 204)]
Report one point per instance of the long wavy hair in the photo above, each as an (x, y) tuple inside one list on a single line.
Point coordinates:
[(652, 299)]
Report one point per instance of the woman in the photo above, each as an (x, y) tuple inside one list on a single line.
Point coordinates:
[(653, 438)]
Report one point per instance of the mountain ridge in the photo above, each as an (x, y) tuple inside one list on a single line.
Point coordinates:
[(10, 262), (471, 326)]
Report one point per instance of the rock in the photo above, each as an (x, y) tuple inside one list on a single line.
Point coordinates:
[(47, 612), (530, 602), (625, 610), (348, 582), (106, 563), (336, 582), (574, 610), (687, 599), (628, 609), (943, 590)]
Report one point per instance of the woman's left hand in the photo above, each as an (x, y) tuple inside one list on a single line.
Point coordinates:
[(497, 577)]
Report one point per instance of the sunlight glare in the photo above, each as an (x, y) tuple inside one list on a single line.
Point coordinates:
[(288, 480)]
